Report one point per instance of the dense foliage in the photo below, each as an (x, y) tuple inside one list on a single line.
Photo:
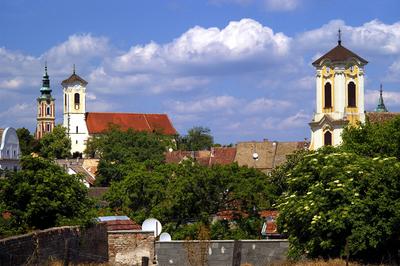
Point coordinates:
[(116, 148), (40, 196), (197, 138), (56, 144), (374, 139), (27, 142), (340, 203), (181, 194)]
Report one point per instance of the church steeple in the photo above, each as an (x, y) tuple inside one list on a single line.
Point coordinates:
[(45, 89), (45, 108), (381, 105)]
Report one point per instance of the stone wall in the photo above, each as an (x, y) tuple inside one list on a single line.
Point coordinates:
[(221, 252), (128, 247), (68, 244)]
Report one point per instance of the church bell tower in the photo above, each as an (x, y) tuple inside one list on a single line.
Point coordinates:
[(74, 89), (45, 108), (339, 95)]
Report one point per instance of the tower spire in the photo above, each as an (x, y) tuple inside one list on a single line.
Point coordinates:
[(381, 105), (339, 37), (73, 69), (45, 90)]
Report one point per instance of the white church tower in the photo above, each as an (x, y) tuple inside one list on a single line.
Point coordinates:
[(339, 95), (74, 89)]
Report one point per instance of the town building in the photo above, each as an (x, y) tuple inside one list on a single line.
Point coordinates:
[(9, 149), (45, 108), (262, 155), (339, 95), (81, 124)]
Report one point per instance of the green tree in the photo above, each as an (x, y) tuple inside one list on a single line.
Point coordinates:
[(116, 148), (56, 144), (180, 194), (27, 142), (373, 139), (42, 195), (340, 203), (197, 138)]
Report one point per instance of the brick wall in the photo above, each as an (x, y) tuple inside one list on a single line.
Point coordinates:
[(128, 247), (69, 244), (221, 252)]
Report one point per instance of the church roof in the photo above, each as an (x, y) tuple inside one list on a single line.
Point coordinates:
[(381, 105), (100, 122), (380, 117), (74, 78), (339, 54)]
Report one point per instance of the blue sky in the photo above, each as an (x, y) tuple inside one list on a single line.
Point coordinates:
[(240, 67)]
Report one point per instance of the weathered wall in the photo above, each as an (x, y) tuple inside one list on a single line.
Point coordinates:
[(221, 252), (68, 244), (128, 247)]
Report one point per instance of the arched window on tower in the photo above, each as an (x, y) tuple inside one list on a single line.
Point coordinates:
[(77, 100), (65, 99), (351, 94), (48, 110), (328, 138), (328, 96)]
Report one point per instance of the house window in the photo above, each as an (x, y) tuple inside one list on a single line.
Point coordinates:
[(328, 96), (328, 138), (351, 94), (76, 142), (77, 100)]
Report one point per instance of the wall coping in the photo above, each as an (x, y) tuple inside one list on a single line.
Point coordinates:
[(130, 232), (39, 232), (225, 241)]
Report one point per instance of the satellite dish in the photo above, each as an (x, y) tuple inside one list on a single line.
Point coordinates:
[(165, 237), (255, 156), (152, 224)]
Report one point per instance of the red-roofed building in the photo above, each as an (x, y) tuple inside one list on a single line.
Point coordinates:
[(81, 124)]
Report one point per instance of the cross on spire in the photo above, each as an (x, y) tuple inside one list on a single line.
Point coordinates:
[(73, 69), (339, 37)]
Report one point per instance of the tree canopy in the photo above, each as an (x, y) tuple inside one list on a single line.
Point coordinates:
[(56, 144), (197, 138), (179, 194), (340, 203), (116, 148), (373, 139), (27, 142), (40, 196)]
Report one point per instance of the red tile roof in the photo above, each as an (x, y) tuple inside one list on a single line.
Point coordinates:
[(380, 117), (100, 122), (117, 225), (217, 155), (339, 54)]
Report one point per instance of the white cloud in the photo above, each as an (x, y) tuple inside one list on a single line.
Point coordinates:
[(239, 41), (390, 98), (263, 104), (282, 5), (374, 37), (298, 120), (218, 103), (11, 83), (393, 73)]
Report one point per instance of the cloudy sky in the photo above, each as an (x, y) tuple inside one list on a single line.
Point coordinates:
[(240, 67)]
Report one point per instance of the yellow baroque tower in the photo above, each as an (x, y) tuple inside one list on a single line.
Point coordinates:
[(339, 95)]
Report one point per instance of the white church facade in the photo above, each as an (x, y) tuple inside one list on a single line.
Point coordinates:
[(339, 95), (81, 125)]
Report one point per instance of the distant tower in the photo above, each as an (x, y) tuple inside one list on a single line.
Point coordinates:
[(45, 108), (74, 89), (339, 95), (381, 108)]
